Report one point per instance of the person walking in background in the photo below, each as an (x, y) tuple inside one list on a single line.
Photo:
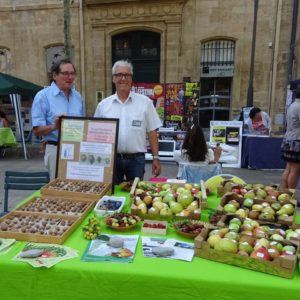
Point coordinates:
[(3, 120), (195, 150), (137, 120), (59, 99), (258, 122), (291, 144)]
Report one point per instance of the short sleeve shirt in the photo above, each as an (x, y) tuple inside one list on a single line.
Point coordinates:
[(137, 116), (51, 102), (293, 121)]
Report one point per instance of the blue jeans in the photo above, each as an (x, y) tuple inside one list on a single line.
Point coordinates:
[(129, 167)]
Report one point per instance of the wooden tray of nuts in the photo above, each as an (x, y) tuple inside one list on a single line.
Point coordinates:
[(80, 189), (60, 206), (41, 228)]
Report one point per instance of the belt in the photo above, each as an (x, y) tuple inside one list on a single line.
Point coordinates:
[(52, 143), (130, 155)]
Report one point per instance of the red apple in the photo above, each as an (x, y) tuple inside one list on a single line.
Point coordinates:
[(261, 253)]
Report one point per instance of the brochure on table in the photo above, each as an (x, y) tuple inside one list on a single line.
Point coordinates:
[(87, 148), (229, 135)]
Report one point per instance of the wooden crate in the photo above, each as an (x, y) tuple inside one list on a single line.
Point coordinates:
[(191, 215), (88, 194), (47, 237), (47, 201), (283, 266), (289, 220)]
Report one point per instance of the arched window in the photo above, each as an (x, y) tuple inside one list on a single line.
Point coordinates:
[(142, 48), (217, 53), (53, 54), (217, 67), (5, 60)]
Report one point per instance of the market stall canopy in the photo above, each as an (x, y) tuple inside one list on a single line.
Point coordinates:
[(15, 88), (13, 85), (294, 84)]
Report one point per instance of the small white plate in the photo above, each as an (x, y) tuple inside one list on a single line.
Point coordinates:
[(103, 212)]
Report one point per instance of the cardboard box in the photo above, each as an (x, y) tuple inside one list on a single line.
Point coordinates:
[(145, 215), (91, 190), (105, 212), (151, 230), (280, 266)]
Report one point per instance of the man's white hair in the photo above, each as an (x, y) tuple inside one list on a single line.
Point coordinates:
[(122, 63)]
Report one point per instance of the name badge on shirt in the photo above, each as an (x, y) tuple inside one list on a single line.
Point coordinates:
[(136, 123)]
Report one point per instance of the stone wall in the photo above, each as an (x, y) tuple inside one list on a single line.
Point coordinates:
[(28, 27)]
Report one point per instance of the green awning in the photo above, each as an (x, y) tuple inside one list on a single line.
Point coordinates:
[(13, 85)]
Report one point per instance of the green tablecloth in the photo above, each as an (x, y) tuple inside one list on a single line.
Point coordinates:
[(145, 278), (7, 138)]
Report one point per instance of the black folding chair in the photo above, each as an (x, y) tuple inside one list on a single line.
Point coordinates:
[(23, 181)]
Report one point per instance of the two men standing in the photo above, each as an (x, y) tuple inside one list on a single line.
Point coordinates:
[(137, 116)]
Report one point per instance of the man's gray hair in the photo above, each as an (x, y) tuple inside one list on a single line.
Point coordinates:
[(122, 63)]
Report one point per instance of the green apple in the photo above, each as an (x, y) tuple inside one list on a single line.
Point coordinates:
[(245, 246), (292, 234), (277, 237), (157, 198), (166, 212), (276, 205), (234, 227), (168, 197), (266, 217), (261, 193), (277, 245), (268, 210), (263, 242), (176, 207), (257, 207), (230, 208), (183, 213), (159, 205), (153, 211), (235, 221), (235, 203), (286, 209), (284, 197), (227, 245), (232, 235), (214, 232), (194, 205), (213, 240), (143, 208), (166, 186), (185, 198), (289, 248), (180, 189), (250, 194), (242, 213), (248, 202)]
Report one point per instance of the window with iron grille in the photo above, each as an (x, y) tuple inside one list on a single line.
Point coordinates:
[(217, 53)]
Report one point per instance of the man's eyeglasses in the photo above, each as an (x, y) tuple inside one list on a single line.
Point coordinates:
[(67, 74), (121, 75)]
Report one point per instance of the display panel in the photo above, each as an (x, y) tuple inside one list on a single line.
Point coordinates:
[(87, 148)]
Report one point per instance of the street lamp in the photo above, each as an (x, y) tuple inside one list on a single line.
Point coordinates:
[(250, 86)]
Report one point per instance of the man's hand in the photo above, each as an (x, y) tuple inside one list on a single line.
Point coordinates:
[(57, 120), (156, 169), (217, 153)]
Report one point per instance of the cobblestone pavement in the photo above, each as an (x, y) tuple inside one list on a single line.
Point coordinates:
[(14, 161)]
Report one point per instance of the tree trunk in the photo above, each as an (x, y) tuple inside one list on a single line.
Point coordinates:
[(67, 31)]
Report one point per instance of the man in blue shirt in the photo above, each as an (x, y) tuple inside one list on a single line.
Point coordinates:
[(59, 99)]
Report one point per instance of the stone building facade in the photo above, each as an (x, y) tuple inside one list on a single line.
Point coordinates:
[(203, 40)]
